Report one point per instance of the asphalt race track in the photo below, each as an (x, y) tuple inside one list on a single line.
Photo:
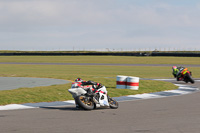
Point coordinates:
[(177, 114), (95, 64)]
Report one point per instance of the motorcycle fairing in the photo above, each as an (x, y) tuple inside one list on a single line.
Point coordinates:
[(103, 100), (77, 91)]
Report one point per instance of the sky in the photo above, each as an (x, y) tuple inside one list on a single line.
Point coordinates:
[(46, 25)]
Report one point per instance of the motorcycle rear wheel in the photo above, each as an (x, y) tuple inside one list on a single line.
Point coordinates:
[(113, 103), (189, 78), (85, 102)]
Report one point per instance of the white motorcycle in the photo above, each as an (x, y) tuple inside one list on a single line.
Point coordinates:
[(88, 101)]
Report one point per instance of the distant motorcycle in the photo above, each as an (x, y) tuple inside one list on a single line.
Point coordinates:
[(88, 101), (185, 75)]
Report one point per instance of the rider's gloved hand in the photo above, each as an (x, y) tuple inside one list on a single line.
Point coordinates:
[(99, 85)]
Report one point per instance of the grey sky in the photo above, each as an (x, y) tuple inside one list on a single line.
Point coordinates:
[(99, 24)]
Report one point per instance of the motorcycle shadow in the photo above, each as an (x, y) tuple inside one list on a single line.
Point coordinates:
[(62, 108), (182, 82), (72, 108)]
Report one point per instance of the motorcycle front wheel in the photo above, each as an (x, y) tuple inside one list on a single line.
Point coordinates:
[(113, 103), (85, 102)]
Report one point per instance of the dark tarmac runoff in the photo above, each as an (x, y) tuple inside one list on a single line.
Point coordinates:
[(95, 64), (9, 83)]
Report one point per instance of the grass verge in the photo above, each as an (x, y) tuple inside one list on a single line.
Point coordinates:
[(96, 73), (100, 74), (102, 59), (60, 93)]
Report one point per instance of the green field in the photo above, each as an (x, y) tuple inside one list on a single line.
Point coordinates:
[(103, 74), (102, 59)]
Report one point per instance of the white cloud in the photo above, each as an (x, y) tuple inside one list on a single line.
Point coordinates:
[(86, 12), (98, 23)]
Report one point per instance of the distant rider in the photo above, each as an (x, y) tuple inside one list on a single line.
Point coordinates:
[(176, 71)]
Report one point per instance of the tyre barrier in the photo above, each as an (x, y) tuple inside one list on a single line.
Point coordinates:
[(121, 82), (127, 82), (132, 83)]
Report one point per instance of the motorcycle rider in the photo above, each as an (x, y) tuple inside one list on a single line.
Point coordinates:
[(176, 71), (90, 86), (80, 83)]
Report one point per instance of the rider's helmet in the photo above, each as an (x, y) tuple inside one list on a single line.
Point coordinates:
[(174, 68), (78, 80)]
